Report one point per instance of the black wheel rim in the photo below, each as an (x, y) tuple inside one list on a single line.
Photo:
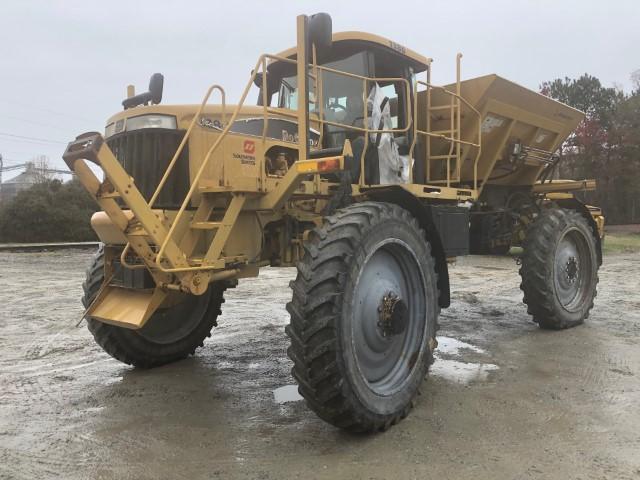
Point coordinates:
[(170, 325), (388, 347), (573, 267)]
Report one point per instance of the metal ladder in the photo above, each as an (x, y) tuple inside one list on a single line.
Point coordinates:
[(450, 136)]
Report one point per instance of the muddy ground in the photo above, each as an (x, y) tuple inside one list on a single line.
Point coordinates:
[(505, 400)]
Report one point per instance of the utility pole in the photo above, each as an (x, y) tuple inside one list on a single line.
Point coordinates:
[(1, 166)]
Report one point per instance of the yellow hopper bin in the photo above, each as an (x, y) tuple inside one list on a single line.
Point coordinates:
[(519, 128)]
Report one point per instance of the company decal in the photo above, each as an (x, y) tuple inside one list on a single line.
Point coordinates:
[(397, 47), (249, 147), (491, 122), (541, 137), (210, 123), (290, 137), (247, 157)]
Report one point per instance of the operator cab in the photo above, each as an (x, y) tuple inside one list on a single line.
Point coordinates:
[(344, 97)]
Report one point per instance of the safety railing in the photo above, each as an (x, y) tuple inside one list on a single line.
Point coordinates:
[(456, 140), (196, 179), (261, 68), (455, 128), (169, 169), (316, 76)]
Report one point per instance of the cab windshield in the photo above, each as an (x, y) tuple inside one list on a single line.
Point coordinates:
[(337, 89), (343, 97)]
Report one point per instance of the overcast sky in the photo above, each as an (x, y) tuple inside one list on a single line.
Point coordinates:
[(64, 65)]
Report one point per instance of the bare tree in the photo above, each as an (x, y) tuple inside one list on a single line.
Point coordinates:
[(635, 78), (41, 169)]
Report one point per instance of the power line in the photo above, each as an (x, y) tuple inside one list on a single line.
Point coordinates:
[(21, 152), (53, 112), (11, 162), (33, 122), (28, 142), (22, 137)]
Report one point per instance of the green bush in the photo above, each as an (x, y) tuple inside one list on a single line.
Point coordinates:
[(50, 211)]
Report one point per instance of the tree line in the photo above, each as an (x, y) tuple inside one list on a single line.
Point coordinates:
[(606, 144), (49, 211)]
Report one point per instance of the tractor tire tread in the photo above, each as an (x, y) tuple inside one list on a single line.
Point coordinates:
[(316, 301)]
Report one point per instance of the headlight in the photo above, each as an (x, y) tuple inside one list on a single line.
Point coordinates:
[(151, 121), (113, 128), (140, 122), (109, 130)]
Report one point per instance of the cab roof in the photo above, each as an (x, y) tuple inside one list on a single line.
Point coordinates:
[(344, 41)]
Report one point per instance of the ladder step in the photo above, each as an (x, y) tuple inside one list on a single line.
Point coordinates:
[(441, 132), (205, 225), (234, 259), (441, 157), (136, 231), (444, 181), (108, 195), (209, 187), (441, 107)]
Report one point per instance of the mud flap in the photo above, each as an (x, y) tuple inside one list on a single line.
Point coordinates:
[(125, 307)]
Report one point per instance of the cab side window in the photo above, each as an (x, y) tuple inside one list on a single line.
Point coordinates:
[(389, 91)]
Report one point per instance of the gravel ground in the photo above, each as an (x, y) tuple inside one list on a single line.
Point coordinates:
[(504, 400)]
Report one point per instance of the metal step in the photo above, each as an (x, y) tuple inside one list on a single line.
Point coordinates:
[(441, 107), (205, 225), (227, 260), (136, 231), (108, 195), (442, 132)]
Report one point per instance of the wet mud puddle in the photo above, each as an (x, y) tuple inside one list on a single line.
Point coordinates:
[(449, 369), (286, 394), (456, 370)]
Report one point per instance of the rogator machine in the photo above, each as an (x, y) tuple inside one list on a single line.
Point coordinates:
[(353, 167)]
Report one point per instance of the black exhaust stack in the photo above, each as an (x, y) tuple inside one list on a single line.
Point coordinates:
[(154, 95)]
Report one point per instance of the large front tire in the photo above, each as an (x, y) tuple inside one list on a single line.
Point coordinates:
[(559, 269), (170, 334), (363, 316)]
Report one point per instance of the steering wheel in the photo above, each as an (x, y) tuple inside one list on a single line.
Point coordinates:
[(336, 106)]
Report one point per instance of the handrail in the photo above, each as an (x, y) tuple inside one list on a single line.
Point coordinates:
[(173, 161), (457, 141), (319, 92), (367, 131), (186, 137), (205, 163), (408, 119), (261, 68), (408, 116)]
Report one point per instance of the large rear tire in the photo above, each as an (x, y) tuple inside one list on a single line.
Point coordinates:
[(559, 269), (170, 334), (363, 316)]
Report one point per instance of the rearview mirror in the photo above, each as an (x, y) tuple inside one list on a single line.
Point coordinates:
[(320, 31), (156, 85)]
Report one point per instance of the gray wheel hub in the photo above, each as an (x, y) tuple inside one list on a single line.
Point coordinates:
[(572, 270), (389, 316), (393, 315)]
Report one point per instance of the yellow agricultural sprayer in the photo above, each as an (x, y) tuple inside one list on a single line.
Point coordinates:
[(353, 167)]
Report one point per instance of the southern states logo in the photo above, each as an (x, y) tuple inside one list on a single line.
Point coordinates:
[(249, 147), (247, 158)]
